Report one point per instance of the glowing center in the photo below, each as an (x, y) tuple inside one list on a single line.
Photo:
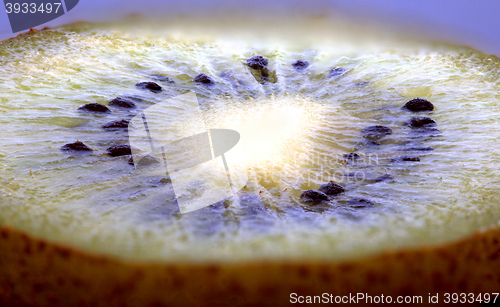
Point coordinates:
[(269, 131)]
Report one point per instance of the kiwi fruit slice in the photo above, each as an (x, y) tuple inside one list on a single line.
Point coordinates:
[(370, 170)]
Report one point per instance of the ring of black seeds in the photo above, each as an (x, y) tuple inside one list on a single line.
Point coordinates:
[(358, 202), (418, 105), (257, 62), (417, 122), (300, 64), (94, 107), (118, 124), (331, 188), (313, 196), (119, 150), (375, 133), (203, 79), (76, 146), (336, 71), (122, 102), (152, 86)]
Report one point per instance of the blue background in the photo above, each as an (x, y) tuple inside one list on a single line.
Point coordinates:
[(473, 23)]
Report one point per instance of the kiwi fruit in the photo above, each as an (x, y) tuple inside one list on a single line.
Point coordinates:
[(370, 170)]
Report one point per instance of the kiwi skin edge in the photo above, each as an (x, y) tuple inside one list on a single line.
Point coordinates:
[(36, 272)]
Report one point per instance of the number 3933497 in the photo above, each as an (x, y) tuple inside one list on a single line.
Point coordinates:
[(32, 8), (25, 14)]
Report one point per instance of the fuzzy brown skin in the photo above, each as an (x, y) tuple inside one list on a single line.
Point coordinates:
[(34, 272)]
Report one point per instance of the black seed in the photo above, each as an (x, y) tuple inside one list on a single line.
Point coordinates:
[(417, 122), (351, 156), (375, 133), (358, 202), (313, 196), (76, 146), (119, 150), (408, 158), (146, 160), (260, 71), (331, 188), (163, 78), (418, 149), (419, 104), (165, 180), (122, 102), (118, 124), (300, 64), (153, 87), (336, 71), (203, 79), (385, 177), (257, 62), (94, 107)]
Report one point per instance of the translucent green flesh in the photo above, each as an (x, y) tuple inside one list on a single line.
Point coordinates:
[(101, 204)]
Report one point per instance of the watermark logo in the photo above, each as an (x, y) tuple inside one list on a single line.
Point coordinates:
[(171, 139), (26, 14)]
